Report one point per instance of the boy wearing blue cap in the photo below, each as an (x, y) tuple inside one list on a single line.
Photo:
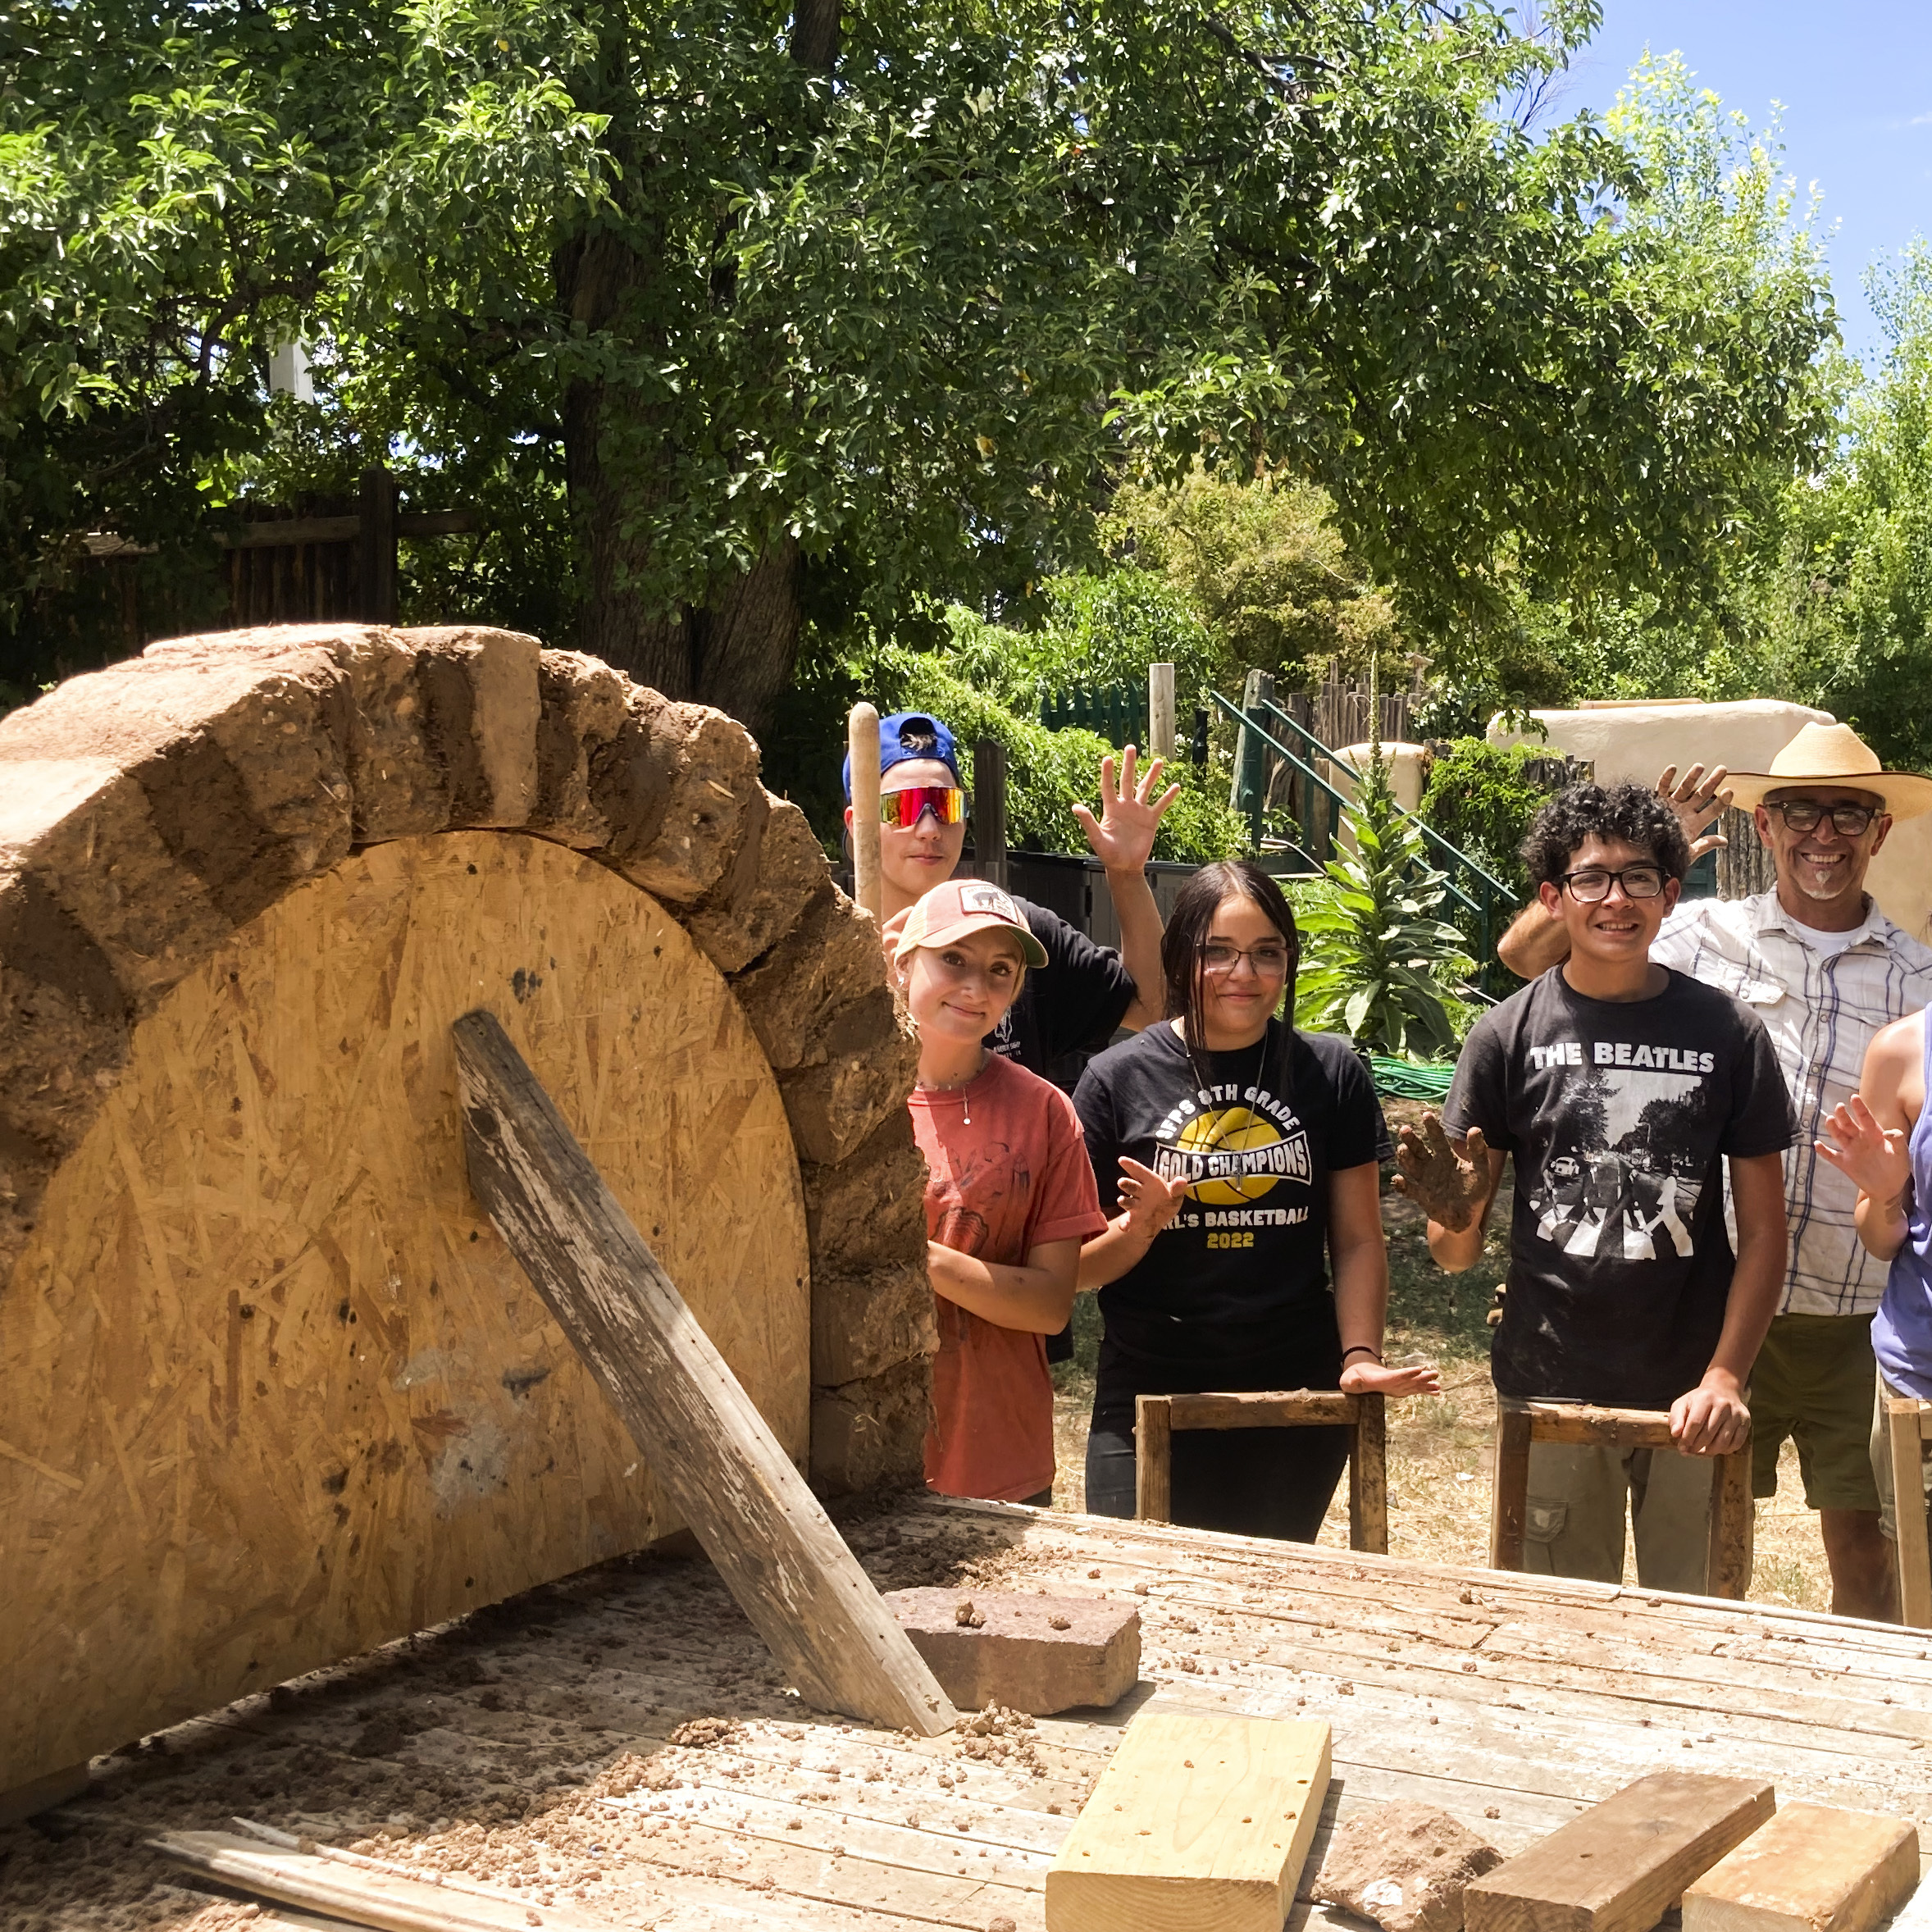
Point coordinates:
[(1084, 991)]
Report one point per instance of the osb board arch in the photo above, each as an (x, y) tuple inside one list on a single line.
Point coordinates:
[(275, 1391)]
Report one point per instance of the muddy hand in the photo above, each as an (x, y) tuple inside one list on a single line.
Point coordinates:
[(1449, 1187), (1699, 800)]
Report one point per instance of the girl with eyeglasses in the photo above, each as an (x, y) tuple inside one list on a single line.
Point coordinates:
[(1245, 1156)]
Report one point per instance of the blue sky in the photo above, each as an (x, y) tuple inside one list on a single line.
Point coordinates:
[(1854, 78)]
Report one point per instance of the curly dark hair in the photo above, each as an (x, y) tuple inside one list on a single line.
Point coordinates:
[(1633, 814)]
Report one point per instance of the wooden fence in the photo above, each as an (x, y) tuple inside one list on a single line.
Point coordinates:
[(321, 561)]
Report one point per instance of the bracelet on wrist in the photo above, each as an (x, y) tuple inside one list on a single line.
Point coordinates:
[(1363, 1348)]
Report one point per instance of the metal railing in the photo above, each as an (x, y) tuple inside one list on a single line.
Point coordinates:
[(1486, 894)]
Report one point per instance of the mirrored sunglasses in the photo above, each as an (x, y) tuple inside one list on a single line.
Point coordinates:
[(905, 809)]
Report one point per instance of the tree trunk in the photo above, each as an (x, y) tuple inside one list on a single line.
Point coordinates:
[(736, 649)]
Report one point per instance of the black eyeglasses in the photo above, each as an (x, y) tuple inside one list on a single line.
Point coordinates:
[(1805, 815), (1593, 883)]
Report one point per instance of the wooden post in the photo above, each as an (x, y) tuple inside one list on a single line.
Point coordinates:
[(1368, 1478), (989, 811), (708, 1445), (377, 539), (862, 746), (1904, 1423), (1248, 794), (1510, 1498), (1161, 710), (1153, 1442)]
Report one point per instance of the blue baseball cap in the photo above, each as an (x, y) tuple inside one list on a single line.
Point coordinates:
[(893, 749)]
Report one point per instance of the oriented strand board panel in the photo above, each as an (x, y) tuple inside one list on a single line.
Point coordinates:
[(1198, 1823), (1814, 1868), (274, 1390), (1625, 1862)]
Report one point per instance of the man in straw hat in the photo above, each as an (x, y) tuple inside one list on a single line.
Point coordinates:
[(1824, 968)]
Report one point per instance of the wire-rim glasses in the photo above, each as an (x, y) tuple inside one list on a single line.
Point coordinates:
[(1270, 960)]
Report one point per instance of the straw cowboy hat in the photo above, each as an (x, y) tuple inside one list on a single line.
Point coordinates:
[(1832, 754)]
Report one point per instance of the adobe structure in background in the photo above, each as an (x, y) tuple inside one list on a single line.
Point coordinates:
[(271, 1390)]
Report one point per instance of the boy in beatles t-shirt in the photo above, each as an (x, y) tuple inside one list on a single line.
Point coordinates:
[(1621, 1089)]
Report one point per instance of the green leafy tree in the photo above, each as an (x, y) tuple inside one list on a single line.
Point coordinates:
[(814, 313), (1277, 587), (1378, 962)]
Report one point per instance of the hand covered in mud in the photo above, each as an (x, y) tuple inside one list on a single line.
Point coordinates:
[(1699, 799), (1450, 1187)]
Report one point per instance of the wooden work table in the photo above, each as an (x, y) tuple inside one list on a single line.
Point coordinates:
[(1511, 1702)]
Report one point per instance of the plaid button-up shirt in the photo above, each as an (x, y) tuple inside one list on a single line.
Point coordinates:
[(1821, 1013)]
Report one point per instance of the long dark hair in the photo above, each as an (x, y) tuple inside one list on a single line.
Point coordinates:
[(1188, 926)]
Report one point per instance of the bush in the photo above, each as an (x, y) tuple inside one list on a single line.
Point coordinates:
[(1048, 770), (1481, 799)]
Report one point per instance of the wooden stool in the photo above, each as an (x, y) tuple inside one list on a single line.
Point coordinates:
[(1909, 1422), (1157, 1417), (1518, 1425)]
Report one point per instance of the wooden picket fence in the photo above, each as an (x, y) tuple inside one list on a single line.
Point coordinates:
[(1117, 712)]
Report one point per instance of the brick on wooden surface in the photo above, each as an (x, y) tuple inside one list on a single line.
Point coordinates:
[(1406, 1865), (1814, 1868), (1198, 1823), (1622, 1864), (1015, 1656)]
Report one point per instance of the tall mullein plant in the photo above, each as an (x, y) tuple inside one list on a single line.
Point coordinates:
[(1378, 962)]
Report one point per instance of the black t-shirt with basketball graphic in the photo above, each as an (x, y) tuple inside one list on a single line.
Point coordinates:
[(1257, 1133)]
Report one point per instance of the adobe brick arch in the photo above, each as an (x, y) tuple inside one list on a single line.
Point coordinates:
[(196, 843)]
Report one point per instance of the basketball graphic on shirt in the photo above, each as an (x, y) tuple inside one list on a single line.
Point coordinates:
[(1231, 1131)]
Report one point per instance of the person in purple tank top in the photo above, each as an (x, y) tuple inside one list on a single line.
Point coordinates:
[(1881, 1138)]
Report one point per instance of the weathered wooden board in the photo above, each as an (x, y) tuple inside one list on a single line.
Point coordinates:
[(1198, 1821), (713, 1452), (1814, 1868), (1625, 1862), (276, 1391)]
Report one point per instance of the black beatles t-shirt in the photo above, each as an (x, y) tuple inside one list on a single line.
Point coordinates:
[(1618, 1114), (1075, 1000), (1257, 1138)]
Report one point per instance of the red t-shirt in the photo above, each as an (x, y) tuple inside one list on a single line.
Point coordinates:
[(1007, 1170)]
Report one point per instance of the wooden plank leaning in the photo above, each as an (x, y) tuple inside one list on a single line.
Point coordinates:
[(1520, 1424), (1907, 1422), (1157, 1417), (708, 1445)]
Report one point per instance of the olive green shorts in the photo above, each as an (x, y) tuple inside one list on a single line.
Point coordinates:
[(1814, 1382)]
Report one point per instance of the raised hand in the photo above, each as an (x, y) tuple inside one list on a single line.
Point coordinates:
[(1123, 835), (1448, 1186), (1877, 1159), (1699, 800), (1150, 1202)]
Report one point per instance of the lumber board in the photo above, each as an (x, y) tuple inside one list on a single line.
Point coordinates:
[(1154, 1453), (1510, 1508), (1262, 1409), (1905, 1420), (1813, 1868), (1589, 1424), (1368, 1478), (1625, 1862), (1196, 1821), (282, 1394), (769, 1536), (362, 1895)]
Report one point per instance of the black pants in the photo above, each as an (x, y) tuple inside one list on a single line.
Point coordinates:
[(1253, 1481)]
